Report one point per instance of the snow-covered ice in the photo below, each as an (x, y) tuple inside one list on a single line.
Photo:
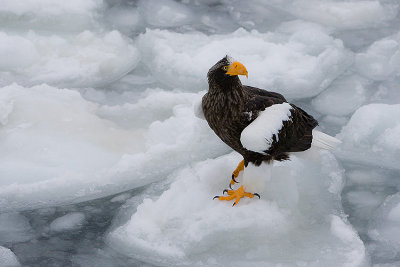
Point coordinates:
[(56, 15), (297, 61), (372, 135), (81, 60), (346, 95), (342, 15), (8, 258), (14, 227), (184, 226), (103, 161), (70, 221), (69, 153)]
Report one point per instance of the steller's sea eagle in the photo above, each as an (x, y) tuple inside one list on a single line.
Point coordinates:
[(260, 125)]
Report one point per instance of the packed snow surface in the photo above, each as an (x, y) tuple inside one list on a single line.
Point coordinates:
[(103, 161)]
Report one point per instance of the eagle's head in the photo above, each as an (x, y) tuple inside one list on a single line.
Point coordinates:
[(225, 73)]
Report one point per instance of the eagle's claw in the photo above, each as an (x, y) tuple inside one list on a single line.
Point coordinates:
[(233, 181), (255, 194), (233, 178), (236, 195)]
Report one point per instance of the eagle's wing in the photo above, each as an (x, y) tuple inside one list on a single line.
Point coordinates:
[(276, 126), (260, 92)]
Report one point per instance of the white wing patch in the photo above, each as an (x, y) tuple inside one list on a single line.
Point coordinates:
[(198, 109), (257, 136)]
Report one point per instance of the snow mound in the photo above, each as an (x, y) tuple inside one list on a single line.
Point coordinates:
[(186, 227), (85, 59), (68, 222), (296, 61), (371, 136), (56, 149), (8, 258)]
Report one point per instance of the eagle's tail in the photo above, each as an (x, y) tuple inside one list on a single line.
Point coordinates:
[(324, 141)]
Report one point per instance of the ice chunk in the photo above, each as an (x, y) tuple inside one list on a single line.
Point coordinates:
[(49, 14), (8, 258), (371, 135), (185, 227), (385, 229), (255, 14), (121, 198), (6, 107), (165, 13), (68, 222), (298, 64), (381, 60), (343, 97), (79, 60), (125, 18), (14, 227), (57, 150), (158, 104), (52, 139), (349, 237), (341, 15)]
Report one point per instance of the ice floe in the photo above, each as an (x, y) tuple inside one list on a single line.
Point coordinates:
[(185, 227), (371, 135), (78, 60), (297, 62)]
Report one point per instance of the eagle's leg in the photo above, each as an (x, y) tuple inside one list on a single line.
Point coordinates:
[(235, 174), (237, 195)]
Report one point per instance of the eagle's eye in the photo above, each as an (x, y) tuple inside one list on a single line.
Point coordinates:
[(225, 68)]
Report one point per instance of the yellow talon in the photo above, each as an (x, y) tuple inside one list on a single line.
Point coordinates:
[(238, 169), (236, 172), (237, 195)]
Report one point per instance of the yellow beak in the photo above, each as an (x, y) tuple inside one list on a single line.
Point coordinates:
[(237, 68)]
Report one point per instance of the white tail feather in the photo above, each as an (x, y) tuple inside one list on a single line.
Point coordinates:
[(324, 141), (320, 142)]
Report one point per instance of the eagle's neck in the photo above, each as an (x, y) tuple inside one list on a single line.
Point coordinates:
[(227, 98), (228, 102)]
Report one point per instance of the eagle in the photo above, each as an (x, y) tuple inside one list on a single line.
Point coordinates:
[(260, 125)]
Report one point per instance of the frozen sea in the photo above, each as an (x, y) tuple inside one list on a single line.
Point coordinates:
[(104, 163)]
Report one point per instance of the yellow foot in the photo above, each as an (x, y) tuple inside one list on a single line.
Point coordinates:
[(237, 195), (235, 173)]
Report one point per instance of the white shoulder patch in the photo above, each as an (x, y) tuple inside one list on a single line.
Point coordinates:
[(257, 136), (198, 109)]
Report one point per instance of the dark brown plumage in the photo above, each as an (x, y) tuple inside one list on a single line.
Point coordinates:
[(229, 107)]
